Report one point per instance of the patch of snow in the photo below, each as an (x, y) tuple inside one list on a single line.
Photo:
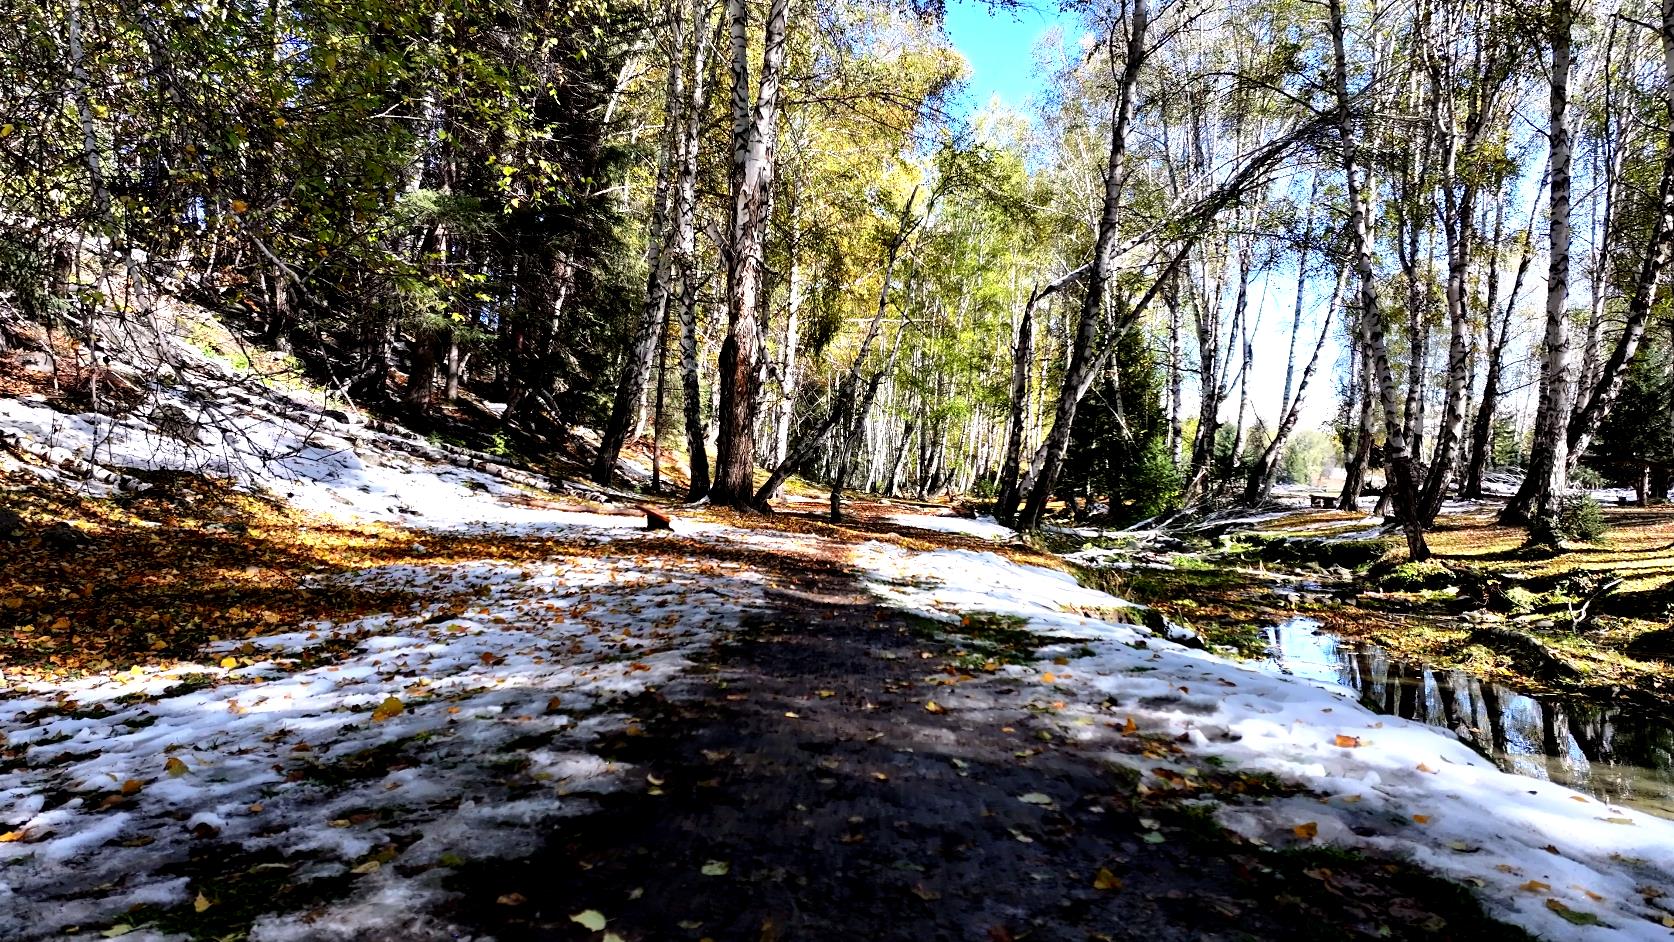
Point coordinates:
[(294, 751), (984, 527), (947, 583), (265, 443), (1381, 784)]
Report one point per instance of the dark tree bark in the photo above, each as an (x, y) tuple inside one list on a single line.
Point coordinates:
[(1547, 477), (1402, 477), (754, 124), (1022, 362)]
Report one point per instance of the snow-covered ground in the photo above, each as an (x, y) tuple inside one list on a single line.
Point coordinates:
[(986, 528), (262, 440), (121, 775), (1540, 855)]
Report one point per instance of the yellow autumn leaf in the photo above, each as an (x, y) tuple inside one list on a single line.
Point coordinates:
[(1105, 880), (1421, 818), (239, 206), (175, 767), (132, 786), (201, 903), (11, 837), (1307, 831), (1535, 886), (389, 709), (1347, 742), (932, 706), (229, 662), (1130, 727)]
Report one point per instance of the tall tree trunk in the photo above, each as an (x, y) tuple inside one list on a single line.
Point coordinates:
[(1176, 377), (789, 376), (1354, 476), (1022, 362), (1547, 477), (684, 241), (1482, 433), (1458, 215), (630, 390), (1082, 365), (751, 179), (1596, 401), (1301, 294), (1402, 477)]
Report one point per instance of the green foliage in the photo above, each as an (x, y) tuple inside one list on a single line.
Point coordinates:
[(1118, 446), (1306, 456), (1580, 519), (347, 173), (1505, 449), (1156, 483), (1422, 575), (1638, 430)]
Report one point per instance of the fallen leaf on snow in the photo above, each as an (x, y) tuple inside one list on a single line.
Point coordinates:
[(1573, 916), (389, 709), (1307, 831)]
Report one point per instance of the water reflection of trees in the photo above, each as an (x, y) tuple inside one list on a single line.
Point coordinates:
[(1612, 750)]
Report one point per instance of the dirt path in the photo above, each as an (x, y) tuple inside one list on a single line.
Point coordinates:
[(807, 793)]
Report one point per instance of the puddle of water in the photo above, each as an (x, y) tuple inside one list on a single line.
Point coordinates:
[(1604, 749)]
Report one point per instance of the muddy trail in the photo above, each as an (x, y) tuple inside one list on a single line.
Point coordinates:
[(809, 792)]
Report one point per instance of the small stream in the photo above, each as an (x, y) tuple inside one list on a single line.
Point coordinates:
[(1611, 751)]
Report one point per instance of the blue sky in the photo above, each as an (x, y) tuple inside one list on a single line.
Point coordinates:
[(999, 44)]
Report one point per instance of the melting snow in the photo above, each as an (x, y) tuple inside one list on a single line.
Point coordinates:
[(1380, 783), (262, 755)]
